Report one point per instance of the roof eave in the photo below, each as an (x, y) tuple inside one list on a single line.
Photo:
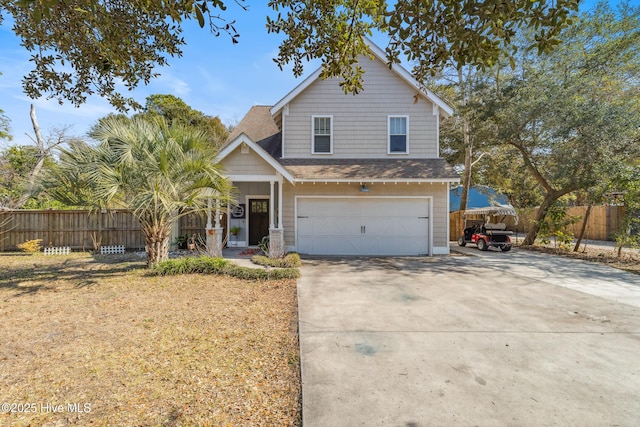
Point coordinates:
[(379, 180), (295, 92)]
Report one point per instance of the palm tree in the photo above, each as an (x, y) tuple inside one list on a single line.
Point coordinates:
[(159, 172)]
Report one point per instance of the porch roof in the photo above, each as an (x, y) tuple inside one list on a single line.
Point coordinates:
[(369, 170)]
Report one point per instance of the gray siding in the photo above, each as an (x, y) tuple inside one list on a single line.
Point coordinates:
[(360, 121), (238, 163)]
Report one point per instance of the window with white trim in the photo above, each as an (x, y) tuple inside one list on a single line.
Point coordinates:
[(398, 134), (322, 134)]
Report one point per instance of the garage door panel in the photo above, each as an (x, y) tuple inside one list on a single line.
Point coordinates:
[(379, 245), (372, 226), (378, 226), (412, 226), (395, 226), (327, 245)]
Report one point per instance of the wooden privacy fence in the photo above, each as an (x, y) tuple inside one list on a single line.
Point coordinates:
[(603, 221), (74, 228), (78, 228)]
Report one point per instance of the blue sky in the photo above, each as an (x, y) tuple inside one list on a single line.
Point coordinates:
[(213, 76)]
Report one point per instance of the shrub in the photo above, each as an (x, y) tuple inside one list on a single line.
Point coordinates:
[(556, 225), (181, 241), (207, 265), (291, 260), (203, 264), (31, 246), (247, 273)]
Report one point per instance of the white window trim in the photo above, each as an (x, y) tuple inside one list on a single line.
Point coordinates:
[(393, 116), (313, 145)]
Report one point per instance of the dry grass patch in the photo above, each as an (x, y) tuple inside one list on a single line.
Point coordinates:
[(145, 351), (629, 261)]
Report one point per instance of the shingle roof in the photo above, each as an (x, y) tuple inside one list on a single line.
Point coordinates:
[(369, 169), (257, 124), (272, 145)]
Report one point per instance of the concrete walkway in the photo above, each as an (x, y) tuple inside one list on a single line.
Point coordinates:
[(492, 339), (240, 256)]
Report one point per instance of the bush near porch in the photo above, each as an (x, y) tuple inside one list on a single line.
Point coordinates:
[(208, 265)]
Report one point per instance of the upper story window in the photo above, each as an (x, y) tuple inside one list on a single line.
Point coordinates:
[(398, 134), (322, 134)]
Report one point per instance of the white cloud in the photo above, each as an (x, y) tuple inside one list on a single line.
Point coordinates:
[(168, 83)]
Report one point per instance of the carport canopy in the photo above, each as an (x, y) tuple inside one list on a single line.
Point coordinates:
[(502, 210)]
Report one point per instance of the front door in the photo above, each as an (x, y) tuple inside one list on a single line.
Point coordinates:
[(258, 220)]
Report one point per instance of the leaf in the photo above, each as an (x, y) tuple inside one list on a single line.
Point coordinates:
[(199, 15)]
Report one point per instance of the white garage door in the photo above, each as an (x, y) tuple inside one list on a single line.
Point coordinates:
[(371, 226)]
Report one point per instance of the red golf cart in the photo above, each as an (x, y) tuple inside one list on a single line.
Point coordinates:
[(488, 227)]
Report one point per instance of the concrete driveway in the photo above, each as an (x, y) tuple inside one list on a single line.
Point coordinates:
[(489, 339)]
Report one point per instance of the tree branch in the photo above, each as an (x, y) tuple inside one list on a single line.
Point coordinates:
[(478, 159), (532, 168)]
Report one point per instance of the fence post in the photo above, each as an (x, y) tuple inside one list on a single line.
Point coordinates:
[(49, 228), (4, 223)]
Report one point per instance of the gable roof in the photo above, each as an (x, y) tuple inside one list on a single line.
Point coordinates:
[(257, 124), (445, 109), (258, 149)]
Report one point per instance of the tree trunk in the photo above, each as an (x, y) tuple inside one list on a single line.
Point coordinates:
[(583, 229), (36, 129), (42, 154), (468, 151), (157, 244), (540, 215), (466, 179)]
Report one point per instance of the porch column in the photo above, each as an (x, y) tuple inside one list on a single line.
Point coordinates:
[(208, 213), (214, 234), (276, 235), (218, 213), (271, 196), (280, 204)]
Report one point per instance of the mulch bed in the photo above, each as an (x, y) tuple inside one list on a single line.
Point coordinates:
[(96, 341)]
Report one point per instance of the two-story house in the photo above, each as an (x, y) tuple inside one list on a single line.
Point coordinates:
[(328, 173)]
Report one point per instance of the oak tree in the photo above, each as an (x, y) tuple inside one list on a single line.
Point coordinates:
[(80, 47), (573, 115), (175, 111)]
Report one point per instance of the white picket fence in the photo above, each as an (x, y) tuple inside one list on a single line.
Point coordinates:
[(57, 251), (111, 250)]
